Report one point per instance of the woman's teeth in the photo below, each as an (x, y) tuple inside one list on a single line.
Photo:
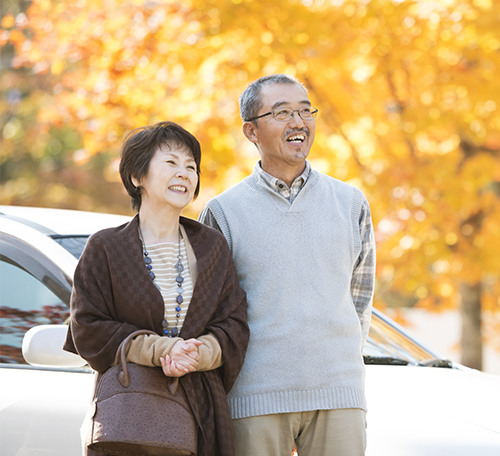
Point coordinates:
[(177, 188)]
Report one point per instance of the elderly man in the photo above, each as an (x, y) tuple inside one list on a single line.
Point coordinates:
[(304, 251)]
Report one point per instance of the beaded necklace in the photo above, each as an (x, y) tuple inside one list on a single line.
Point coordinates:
[(174, 332)]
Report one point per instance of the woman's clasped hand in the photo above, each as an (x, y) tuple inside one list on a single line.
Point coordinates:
[(182, 359)]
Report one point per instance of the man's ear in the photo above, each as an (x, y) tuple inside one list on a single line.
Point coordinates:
[(250, 131)]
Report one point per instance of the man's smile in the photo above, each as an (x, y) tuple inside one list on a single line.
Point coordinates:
[(297, 136)]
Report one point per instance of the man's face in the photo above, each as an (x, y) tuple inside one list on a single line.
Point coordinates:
[(282, 144)]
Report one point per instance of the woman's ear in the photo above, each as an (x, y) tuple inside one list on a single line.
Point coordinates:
[(250, 131), (135, 181)]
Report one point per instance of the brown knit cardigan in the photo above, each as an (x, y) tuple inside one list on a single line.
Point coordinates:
[(114, 296)]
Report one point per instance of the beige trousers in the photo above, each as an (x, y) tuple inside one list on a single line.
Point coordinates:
[(317, 433)]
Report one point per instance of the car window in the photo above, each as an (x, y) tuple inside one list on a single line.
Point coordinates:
[(73, 244), (32, 292)]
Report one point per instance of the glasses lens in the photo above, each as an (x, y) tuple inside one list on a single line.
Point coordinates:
[(306, 112), (283, 114)]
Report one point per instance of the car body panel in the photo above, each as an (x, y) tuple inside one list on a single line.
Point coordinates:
[(64, 221), (44, 244), (43, 411), (432, 411)]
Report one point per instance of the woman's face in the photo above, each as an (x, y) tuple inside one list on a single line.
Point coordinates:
[(171, 179)]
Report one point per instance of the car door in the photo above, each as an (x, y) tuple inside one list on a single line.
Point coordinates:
[(41, 409)]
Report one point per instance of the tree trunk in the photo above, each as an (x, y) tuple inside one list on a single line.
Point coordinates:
[(471, 342)]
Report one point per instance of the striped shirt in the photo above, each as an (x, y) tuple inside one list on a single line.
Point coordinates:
[(163, 259)]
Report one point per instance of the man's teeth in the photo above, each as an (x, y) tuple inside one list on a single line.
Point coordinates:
[(297, 138), (177, 188)]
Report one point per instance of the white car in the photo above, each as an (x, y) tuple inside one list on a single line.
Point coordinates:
[(419, 404)]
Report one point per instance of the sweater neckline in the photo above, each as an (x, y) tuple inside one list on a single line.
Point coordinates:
[(257, 182)]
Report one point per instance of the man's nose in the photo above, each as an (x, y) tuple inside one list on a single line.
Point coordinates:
[(296, 121)]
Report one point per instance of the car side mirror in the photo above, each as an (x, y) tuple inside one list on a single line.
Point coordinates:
[(42, 347)]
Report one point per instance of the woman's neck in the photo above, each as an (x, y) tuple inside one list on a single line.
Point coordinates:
[(159, 226)]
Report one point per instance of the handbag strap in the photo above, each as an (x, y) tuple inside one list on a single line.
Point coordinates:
[(124, 377)]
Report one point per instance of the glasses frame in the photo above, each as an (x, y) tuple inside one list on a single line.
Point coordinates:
[(314, 112)]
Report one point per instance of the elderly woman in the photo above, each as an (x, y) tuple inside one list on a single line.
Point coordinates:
[(168, 274)]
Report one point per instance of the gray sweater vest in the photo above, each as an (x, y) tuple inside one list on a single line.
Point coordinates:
[(295, 262)]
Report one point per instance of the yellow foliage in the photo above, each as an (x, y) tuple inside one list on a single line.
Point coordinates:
[(407, 94), (7, 21)]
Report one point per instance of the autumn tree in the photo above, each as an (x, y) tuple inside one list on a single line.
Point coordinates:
[(407, 93)]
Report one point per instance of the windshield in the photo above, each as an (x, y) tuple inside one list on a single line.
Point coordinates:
[(385, 341)]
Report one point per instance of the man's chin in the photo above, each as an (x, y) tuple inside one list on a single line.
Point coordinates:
[(300, 154)]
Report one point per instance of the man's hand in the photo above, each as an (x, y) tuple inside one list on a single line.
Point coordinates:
[(183, 358)]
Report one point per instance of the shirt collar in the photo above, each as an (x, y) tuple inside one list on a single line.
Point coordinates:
[(277, 184)]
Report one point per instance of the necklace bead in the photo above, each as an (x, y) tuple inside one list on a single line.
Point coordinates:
[(179, 267)]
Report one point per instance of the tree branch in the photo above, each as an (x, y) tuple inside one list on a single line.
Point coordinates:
[(401, 108)]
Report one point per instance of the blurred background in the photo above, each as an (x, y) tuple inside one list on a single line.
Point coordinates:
[(408, 93)]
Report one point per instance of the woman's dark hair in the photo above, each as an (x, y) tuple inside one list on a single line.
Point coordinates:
[(141, 144)]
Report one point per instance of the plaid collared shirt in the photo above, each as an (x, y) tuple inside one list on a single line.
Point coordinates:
[(363, 274), (290, 193)]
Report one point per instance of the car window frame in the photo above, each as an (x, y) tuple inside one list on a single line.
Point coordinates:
[(35, 263)]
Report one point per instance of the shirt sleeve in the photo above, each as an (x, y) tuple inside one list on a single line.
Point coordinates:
[(363, 277), (210, 353), (147, 349), (207, 218)]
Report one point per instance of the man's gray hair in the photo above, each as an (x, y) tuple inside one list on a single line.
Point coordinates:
[(250, 102)]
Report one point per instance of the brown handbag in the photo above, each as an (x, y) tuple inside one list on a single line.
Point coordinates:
[(138, 411)]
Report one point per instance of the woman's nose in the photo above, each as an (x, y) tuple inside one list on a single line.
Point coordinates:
[(181, 173)]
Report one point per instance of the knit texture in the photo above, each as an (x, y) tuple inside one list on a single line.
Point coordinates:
[(295, 261)]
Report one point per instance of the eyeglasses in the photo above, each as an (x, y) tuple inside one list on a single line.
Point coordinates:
[(286, 114)]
